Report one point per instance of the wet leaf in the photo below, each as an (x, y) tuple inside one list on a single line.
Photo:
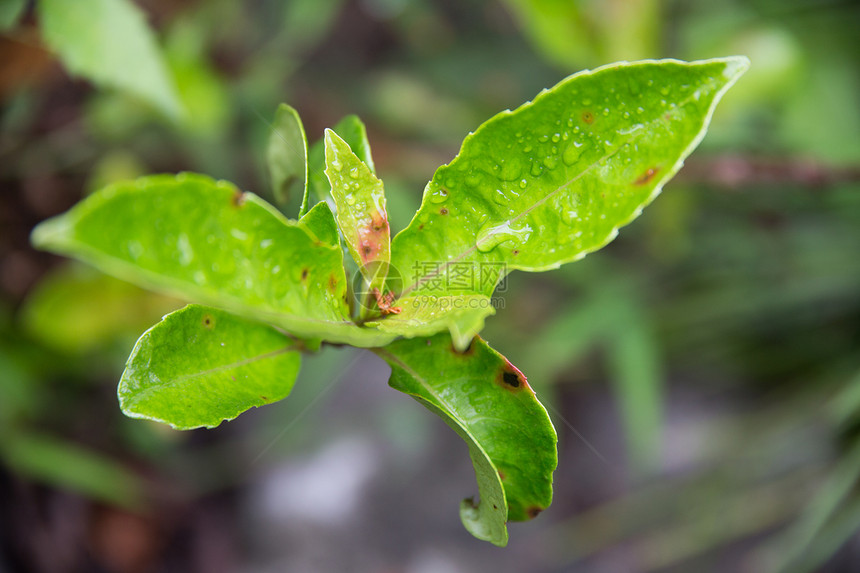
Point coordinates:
[(200, 366), (110, 43), (205, 241), (555, 179), (319, 223), (361, 216), (353, 132), (489, 403)]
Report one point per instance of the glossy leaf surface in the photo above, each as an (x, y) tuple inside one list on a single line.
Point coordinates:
[(200, 366), (287, 157), (352, 131), (361, 216), (110, 43), (320, 224), (489, 403), (555, 179), (205, 241)]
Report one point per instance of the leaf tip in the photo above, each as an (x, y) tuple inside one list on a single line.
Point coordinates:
[(50, 233), (735, 66)]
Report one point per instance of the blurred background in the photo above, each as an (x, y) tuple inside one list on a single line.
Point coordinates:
[(703, 371)]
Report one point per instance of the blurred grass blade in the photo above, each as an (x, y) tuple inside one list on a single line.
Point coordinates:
[(68, 466), (634, 366), (820, 530)]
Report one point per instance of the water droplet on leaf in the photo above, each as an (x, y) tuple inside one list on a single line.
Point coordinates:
[(490, 236)]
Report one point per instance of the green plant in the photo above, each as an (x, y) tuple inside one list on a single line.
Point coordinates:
[(530, 189)]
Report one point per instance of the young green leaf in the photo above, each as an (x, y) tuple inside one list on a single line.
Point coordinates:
[(353, 132), (319, 223), (489, 403), (200, 366), (361, 216), (555, 179), (287, 157), (205, 241), (110, 43)]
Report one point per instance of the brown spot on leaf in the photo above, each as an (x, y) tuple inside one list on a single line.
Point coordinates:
[(647, 176), (533, 511), (515, 252), (264, 399), (443, 211), (304, 274), (332, 282), (501, 475), (421, 227), (511, 378), (208, 321), (588, 117), (372, 234), (238, 199)]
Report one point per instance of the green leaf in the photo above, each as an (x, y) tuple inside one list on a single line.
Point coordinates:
[(10, 13), (353, 132), (62, 464), (110, 43), (555, 179), (287, 156), (200, 366), (205, 241), (319, 223), (489, 403), (361, 216)]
